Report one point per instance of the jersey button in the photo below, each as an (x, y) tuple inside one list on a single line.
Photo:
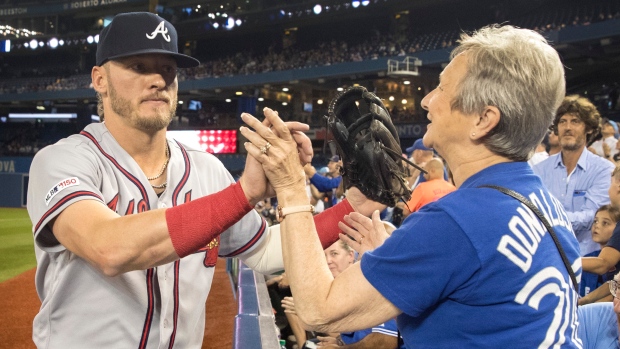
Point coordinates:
[(162, 205)]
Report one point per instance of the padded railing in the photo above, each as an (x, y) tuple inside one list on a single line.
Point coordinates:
[(255, 326)]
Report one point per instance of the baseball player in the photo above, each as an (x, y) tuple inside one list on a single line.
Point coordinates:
[(128, 224)]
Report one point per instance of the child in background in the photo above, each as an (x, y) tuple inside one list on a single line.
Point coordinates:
[(602, 229)]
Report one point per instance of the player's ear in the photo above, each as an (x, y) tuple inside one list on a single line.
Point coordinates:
[(99, 77)]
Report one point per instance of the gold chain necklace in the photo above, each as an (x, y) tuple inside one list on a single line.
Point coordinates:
[(163, 168)]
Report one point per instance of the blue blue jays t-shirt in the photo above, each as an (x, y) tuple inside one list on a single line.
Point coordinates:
[(388, 328), (477, 269), (590, 281)]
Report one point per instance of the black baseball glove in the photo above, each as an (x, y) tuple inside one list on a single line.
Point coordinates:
[(369, 146)]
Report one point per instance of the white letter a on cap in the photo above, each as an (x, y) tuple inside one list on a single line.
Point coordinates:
[(161, 29)]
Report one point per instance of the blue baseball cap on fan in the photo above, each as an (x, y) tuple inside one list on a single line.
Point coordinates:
[(417, 145), (136, 33)]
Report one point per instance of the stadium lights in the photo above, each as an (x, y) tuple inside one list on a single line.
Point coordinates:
[(339, 89), (365, 3), (238, 22), (391, 98), (239, 93), (33, 44), (284, 103), (406, 82), (319, 101), (355, 3), (260, 99), (284, 89), (404, 101), (53, 43), (230, 23), (90, 39), (317, 9), (216, 25), (228, 100)]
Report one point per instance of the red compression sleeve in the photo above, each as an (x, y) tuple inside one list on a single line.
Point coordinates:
[(194, 224), (326, 222)]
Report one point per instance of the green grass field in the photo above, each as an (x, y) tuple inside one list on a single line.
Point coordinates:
[(16, 243)]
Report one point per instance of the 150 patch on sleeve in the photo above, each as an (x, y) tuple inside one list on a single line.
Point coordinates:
[(69, 182)]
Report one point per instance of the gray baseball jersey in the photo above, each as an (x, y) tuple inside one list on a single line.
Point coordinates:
[(160, 307)]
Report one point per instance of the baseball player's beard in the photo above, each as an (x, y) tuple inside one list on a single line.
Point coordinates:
[(123, 108)]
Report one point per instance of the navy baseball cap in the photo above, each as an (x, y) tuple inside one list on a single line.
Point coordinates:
[(417, 145), (136, 33), (334, 158)]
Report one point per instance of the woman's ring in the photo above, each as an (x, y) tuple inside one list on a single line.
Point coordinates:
[(265, 148)]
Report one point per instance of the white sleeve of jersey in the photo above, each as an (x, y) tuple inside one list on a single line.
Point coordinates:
[(267, 257), (60, 175)]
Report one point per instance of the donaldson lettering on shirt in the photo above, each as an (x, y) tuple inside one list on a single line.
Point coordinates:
[(69, 182), (529, 230), (520, 246)]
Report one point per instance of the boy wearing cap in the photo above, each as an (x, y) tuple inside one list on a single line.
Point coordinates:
[(606, 146), (128, 224)]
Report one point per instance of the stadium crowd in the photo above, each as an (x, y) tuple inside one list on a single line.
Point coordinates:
[(276, 58)]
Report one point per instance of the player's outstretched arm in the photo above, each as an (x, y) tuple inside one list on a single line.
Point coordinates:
[(116, 244)]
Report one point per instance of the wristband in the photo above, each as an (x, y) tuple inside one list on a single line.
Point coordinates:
[(326, 222), (194, 224)]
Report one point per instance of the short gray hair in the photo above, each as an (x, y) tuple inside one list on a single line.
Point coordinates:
[(518, 72)]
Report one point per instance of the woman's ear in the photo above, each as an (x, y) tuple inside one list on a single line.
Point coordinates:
[(486, 122)]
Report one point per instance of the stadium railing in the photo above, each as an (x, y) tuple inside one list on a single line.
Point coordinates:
[(254, 326)]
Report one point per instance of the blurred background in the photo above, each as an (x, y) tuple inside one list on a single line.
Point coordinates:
[(291, 56)]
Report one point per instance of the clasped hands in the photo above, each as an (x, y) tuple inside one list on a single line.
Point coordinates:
[(279, 150)]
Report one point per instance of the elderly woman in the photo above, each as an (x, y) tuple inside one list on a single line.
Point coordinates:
[(475, 269)]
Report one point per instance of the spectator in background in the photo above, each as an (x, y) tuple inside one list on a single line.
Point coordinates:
[(606, 146), (602, 229), (576, 177), (554, 144), (609, 257), (420, 155), (329, 183), (598, 322), (340, 256), (432, 189)]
